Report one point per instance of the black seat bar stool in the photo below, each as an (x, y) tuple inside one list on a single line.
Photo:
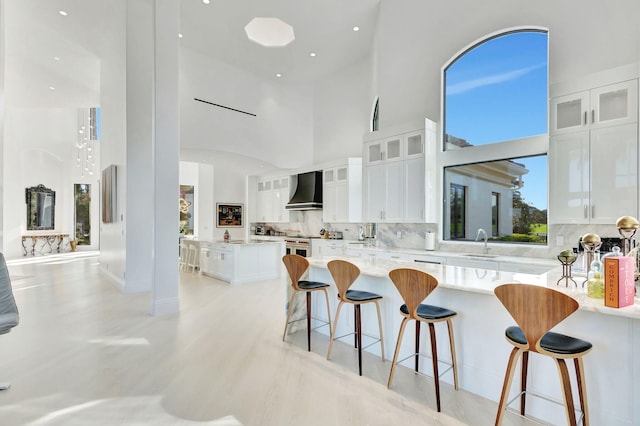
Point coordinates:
[(344, 274), (537, 310), (414, 286), (296, 267)]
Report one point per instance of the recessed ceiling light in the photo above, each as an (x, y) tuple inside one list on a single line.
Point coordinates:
[(206, 1), (179, 35), (356, 28), (55, 58), (52, 88), (62, 12), (278, 75), (312, 54)]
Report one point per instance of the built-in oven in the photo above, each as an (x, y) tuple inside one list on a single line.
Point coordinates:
[(299, 246)]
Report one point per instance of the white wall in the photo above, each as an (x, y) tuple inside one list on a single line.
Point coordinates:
[(113, 141), (585, 36), (281, 133), (341, 113), (42, 153)]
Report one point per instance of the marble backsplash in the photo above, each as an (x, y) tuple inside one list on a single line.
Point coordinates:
[(414, 236)]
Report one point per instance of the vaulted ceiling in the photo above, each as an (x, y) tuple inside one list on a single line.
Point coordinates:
[(36, 33)]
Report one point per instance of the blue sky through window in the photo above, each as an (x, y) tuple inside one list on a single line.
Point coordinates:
[(496, 92)]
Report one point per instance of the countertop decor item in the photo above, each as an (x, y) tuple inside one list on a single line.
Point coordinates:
[(567, 258), (590, 243), (627, 227)]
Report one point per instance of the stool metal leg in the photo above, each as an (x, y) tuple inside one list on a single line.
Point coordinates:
[(359, 337), (308, 321), (417, 356), (403, 324), (289, 309), (508, 378), (523, 381), (566, 391), (582, 390), (434, 357), (380, 329), (335, 325), (452, 346)]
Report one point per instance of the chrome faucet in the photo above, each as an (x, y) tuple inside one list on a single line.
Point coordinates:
[(485, 237)]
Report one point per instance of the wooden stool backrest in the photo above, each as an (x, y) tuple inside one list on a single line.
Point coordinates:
[(535, 309), (296, 267), (414, 286), (344, 274)]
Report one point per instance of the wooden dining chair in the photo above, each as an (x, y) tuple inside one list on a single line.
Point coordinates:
[(344, 274), (296, 267), (415, 286), (537, 310)]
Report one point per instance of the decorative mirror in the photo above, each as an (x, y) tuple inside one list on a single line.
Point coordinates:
[(41, 208)]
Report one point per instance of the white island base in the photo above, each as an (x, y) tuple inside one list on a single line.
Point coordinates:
[(239, 262), (482, 351)]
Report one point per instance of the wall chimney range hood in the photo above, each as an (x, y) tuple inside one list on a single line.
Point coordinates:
[(308, 192)]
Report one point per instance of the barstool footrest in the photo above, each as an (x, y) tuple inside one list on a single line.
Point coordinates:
[(449, 364), (376, 339), (541, 396), (324, 322)]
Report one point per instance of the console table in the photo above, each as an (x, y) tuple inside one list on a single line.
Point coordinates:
[(44, 243)]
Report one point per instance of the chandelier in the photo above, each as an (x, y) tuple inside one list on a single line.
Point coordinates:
[(87, 134)]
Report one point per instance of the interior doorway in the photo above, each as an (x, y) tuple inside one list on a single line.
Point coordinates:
[(82, 194)]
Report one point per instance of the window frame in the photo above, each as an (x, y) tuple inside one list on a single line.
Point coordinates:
[(536, 145)]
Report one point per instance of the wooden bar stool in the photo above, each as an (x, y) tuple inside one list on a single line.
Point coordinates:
[(344, 274), (414, 286), (537, 310), (296, 267)]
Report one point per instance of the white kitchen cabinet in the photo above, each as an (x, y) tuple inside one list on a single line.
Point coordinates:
[(272, 197), (594, 175), (342, 192), (242, 262), (611, 105), (216, 260), (322, 247), (395, 177), (383, 151), (414, 178)]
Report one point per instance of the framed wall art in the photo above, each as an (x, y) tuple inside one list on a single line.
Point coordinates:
[(229, 215)]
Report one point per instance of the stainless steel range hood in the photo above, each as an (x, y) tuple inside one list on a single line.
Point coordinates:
[(308, 192)]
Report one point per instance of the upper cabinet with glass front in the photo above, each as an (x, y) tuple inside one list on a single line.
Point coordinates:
[(396, 148), (610, 105)]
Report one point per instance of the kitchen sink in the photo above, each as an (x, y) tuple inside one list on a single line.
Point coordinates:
[(484, 256)]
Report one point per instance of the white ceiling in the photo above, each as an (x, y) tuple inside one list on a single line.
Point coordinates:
[(36, 32)]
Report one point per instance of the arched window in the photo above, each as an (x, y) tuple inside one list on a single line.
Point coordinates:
[(375, 116), (495, 97)]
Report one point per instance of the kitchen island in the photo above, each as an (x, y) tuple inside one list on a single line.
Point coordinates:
[(482, 351), (239, 261)]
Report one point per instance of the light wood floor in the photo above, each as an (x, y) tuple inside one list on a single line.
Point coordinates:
[(86, 354)]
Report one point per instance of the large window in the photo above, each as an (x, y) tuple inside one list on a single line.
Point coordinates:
[(495, 138)]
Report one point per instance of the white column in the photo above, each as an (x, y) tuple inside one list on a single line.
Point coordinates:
[(166, 155), (153, 150)]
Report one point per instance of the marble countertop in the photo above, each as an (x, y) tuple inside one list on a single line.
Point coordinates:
[(484, 281), (241, 242)]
